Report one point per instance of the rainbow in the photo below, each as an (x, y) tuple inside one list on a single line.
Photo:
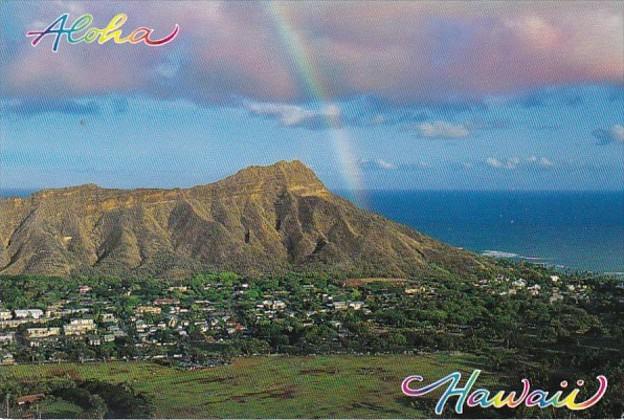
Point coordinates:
[(295, 44)]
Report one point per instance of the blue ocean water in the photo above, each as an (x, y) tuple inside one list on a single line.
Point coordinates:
[(15, 192), (577, 230)]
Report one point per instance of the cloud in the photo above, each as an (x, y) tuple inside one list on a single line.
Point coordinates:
[(68, 106), (615, 134), (516, 162), (377, 165), (510, 163), (542, 162), (384, 165), (295, 115), (403, 53), (356, 113), (363, 118), (442, 130)]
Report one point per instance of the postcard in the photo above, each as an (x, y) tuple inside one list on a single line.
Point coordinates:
[(311, 209)]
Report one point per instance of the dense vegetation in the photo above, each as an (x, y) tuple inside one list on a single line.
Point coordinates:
[(63, 397)]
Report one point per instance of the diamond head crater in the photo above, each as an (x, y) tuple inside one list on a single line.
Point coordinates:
[(263, 219)]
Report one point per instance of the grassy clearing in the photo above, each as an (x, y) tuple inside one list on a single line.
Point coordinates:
[(363, 281), (281, 387)]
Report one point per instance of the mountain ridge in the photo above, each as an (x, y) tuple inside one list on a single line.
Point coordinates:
[(260, 220)]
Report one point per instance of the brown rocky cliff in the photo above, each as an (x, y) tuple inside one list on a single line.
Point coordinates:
[(259, 220)]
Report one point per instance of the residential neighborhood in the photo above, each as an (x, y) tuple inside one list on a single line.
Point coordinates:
[(215, 314)]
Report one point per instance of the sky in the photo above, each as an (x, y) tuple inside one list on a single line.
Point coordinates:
[(371, 95)]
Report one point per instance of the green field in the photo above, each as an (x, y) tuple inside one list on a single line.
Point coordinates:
[(312, 386)]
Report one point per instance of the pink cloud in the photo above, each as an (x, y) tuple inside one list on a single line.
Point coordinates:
[(401, 52)]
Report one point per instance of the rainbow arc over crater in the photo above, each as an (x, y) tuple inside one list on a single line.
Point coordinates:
[(296, 45)]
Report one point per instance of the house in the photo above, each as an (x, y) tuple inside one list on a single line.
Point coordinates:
[(7, 359), (278, 305), (415, 290), (6, 315), (556, 297), (340, 306), (94, 340), (7, 338), (32, 333), (79, 326), (53, 312), (166, 301), (554, 279), (520, 283), (357, 305), (29, 399), (148, 310), (105, 318), (140, 325), (172, 322), (534, 290), (116, 332), (66, 312), (28, 313), (83, 290), (336, 324), (14, 323), (202, 325)]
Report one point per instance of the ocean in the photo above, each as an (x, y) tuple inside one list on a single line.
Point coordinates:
[(574, 230)]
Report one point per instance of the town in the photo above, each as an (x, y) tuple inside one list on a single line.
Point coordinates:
[(202, 321)]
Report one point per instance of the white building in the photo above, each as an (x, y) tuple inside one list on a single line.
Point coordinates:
[(79, 326), (357, 305), (519, 283), (28, 313), (43, 332)]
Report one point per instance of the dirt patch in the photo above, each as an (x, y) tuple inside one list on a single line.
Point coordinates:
[(317, 371), (204, 380), (280, 393), (65, 373), (368, 280), (372, 371), (285, 394)]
